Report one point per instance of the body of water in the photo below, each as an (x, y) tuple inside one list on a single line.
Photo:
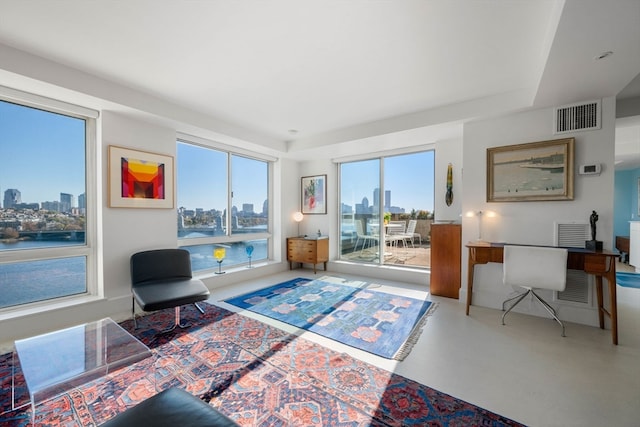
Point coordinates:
[(510, 179), (32, 281)]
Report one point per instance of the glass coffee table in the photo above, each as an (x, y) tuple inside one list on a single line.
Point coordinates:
[(58, 361)]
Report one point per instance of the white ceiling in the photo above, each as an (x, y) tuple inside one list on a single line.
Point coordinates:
[(337, 70)]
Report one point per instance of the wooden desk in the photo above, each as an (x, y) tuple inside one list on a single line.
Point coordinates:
[(600, 264)]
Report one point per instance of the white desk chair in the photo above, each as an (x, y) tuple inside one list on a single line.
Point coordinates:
[(533, 267)]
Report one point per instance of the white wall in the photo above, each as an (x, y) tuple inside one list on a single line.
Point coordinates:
[(446, 151), (533, 222), (449, 151), (126, 231)]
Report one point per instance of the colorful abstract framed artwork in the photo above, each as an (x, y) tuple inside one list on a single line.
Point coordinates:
[(139, 179), (314, 194), (533, 171)]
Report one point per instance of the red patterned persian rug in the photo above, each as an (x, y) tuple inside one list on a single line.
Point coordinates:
[(256, 374)]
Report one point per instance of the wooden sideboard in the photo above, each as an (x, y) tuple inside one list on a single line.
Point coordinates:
[(309, 251), (446, 258)]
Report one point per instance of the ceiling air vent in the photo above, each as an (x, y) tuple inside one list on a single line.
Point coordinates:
[(575, 117)]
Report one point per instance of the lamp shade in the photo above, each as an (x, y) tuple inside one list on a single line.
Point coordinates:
[(298, 216)]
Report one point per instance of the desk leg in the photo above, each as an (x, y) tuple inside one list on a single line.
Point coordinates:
[(469, 284), (600, 301), (613, 298)]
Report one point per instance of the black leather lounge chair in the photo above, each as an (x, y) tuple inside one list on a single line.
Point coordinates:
[(162, 279), (172, 407)]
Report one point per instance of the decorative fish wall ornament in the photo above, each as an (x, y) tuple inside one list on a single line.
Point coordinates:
[(448, 198)]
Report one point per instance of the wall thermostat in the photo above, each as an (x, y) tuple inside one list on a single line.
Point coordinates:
[(590, 169)]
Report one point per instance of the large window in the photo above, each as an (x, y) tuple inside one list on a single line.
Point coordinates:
[(45, 250), (386, 207), (222, 204)]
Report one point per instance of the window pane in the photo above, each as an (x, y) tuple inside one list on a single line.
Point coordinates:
[(201, 191), (250, 184), (409, 189), (359, 207), (25, 282), (43, 204), (42, 173), (236, 253), (407, 198)]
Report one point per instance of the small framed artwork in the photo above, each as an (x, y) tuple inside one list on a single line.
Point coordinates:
[(531, 172), (139, 179), (314, 194)]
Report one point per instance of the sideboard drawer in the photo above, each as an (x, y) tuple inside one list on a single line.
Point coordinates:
[(307, 251)]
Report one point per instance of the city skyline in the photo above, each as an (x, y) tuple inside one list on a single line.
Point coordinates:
[(43, 153), (75, 201), (46, 157)]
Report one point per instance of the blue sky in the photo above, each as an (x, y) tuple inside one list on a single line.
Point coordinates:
[(409, 178), (41, 155)]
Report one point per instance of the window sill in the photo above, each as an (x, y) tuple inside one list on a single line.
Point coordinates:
[(233, 270), (45, 306)]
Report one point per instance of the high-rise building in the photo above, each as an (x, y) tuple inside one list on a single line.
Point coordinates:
[(82, 203), (12, 197), (66, 202), (387, 199), (376, 197), (51, 206)]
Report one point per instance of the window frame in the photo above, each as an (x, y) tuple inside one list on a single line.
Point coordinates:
[(230, 237), (89, 249), (380, 156)]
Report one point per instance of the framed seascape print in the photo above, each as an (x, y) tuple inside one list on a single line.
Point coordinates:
[(139, 179), (314, 194), (529, 172)]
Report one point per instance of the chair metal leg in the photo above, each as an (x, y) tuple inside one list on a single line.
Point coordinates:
[(519, 298), (176, 322), (133, 313), (550, 310), (543, 302), (511, 299), (200, 309)]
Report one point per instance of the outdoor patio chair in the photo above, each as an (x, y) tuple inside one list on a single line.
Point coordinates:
[(410, 233), (366, 238)]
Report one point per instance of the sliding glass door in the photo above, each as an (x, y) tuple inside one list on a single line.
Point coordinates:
[(386, 209)]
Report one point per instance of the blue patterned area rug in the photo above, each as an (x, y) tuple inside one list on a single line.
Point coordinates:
[(345, 311), (628, 280)]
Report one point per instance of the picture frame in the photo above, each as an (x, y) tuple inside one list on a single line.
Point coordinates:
[(313, 194), (140, 179), (535, 171), (638, 196)]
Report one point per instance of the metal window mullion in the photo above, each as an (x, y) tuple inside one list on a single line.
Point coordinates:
[(229, 195), (382, 245)]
